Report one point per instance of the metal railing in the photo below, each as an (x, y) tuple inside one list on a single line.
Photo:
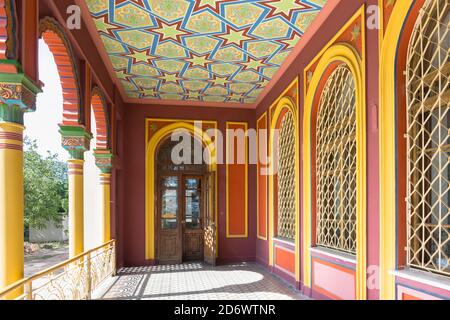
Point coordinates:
[(73, 279)]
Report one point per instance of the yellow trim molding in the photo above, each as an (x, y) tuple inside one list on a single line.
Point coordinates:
[(76, 207), (151, 148), (245, 235), (285, 102), (258, 168), (105, 196), (380, 22), (348, 55), (387, 148)]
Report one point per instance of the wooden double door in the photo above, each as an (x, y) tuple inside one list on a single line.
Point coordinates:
[(185, 219)]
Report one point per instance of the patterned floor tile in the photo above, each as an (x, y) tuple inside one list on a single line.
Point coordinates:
[(196, 281)]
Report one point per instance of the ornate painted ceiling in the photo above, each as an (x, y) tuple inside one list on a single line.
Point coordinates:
[(199, 50)]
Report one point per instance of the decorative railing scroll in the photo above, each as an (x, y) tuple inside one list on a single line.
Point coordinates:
[(74, 279)]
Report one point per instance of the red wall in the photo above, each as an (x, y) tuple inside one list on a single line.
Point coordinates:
[(133, 179), (327, 25)]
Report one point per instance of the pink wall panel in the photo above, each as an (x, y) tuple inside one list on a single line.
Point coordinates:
[(333, 281)]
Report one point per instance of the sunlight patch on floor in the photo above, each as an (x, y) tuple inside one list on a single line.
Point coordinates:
[(194, 281)]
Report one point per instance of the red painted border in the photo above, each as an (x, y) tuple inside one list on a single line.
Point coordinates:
[(53, 35), (237, 189), (100, 110)]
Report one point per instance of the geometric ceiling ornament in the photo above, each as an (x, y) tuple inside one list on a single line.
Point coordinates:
[(199, 50)]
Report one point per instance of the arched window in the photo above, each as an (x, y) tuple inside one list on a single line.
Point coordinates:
[(336, 163), (286, 178), (428, 122)]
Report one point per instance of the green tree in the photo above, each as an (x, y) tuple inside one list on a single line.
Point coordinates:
[(46, 187)]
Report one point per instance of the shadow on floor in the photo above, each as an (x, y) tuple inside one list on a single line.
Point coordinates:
[(196, 281)]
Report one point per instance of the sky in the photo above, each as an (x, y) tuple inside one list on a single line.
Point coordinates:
[(42, 125)]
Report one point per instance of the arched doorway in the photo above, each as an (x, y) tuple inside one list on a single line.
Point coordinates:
[(183, 215)]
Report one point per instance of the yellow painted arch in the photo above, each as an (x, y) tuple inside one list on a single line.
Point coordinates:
[(349, 56), (389, 48), (285, 102), (152, 147)]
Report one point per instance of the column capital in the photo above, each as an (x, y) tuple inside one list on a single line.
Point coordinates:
[(76, 140), (17, 96), (104, 160)]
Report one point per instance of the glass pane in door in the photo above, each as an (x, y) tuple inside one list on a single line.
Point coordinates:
[(169, 203), (170, 182), (192, 203)]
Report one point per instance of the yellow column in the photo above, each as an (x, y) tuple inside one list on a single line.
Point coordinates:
[(105, 185), (76, 140), (76, 209), (11, 203), (104, 161)]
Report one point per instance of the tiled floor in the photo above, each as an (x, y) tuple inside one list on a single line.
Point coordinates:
[(195, 281)]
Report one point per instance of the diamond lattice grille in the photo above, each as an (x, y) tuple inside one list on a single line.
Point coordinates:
[(429, 140), (336, 163), (286, 178)]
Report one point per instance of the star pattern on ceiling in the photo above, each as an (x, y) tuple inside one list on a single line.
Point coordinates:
[(200, 50)]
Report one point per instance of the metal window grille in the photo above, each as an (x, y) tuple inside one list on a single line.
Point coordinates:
[(428, 119), (286, 178), (336, 163)]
